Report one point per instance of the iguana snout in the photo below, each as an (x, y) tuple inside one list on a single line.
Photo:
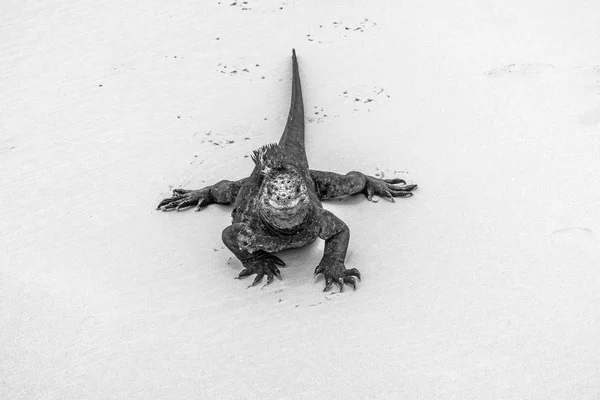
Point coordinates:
[(284, 200)]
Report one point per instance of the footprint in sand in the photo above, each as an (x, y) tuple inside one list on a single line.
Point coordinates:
[(521, 69), (576, 236)]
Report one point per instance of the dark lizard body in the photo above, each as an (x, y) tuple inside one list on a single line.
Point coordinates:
[(279, 205)]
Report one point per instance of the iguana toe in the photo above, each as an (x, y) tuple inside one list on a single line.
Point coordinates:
[(173, 201), (166, 202), (388, 195), (185, 204), (395, 181), (265, 264), (337, 272), (328, 283), (201, 204), (183, 198), (180, 192), (387, 188), (348, 280), (403, 191), (258, 278), (245, 272), (319, 269), (272, 273), (169, 206), (353, 272)]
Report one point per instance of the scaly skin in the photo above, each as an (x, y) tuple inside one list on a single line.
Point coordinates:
[(279, 205)]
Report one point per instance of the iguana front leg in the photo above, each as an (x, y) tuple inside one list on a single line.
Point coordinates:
[(223, 192), (330, 185), (336, 235), (247, 247)]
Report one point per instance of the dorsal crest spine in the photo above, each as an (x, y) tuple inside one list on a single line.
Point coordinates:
[(268, 158)]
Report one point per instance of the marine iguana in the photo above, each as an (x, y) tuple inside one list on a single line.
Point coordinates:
[(279, 205)]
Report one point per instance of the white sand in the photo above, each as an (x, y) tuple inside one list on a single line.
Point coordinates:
[(485, 285)]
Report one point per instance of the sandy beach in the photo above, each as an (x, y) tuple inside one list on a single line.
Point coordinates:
[(484, 285)]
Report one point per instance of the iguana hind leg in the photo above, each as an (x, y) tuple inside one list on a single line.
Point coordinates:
[(330, 185), (223, 192)]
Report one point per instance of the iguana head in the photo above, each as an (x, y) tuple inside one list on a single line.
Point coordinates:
[(283, 201)]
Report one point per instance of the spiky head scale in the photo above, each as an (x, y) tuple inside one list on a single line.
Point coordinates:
[(270, 158)]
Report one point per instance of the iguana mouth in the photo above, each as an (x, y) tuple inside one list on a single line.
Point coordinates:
[(287, 216), (288, 205)]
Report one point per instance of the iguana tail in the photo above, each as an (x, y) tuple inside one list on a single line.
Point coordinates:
[(292, 139)]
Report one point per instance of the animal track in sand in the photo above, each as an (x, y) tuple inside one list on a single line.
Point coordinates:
[(574, 236), (318, 115), (248, 5), (235, 69), (521, 69), (340, 28), (364, 98), (5, 149), (218, 140)]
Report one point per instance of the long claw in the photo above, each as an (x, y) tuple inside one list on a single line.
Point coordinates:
[(399, 193), (165, 202), (169, 206), (388, 195), (348, 280), (162, 203), (184, 204), (180, 192), (258, 278), (200, 205), (404, 188), (245, 272), (370, 194), (270, 277), (318, 270), (395, 181), (328, 283), (353, 272), (278, 261), (277, 273), (393, 187)]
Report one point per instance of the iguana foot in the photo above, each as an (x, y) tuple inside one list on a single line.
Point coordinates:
[(335, 271), (183, 198), (387, 188), (262, 264)]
